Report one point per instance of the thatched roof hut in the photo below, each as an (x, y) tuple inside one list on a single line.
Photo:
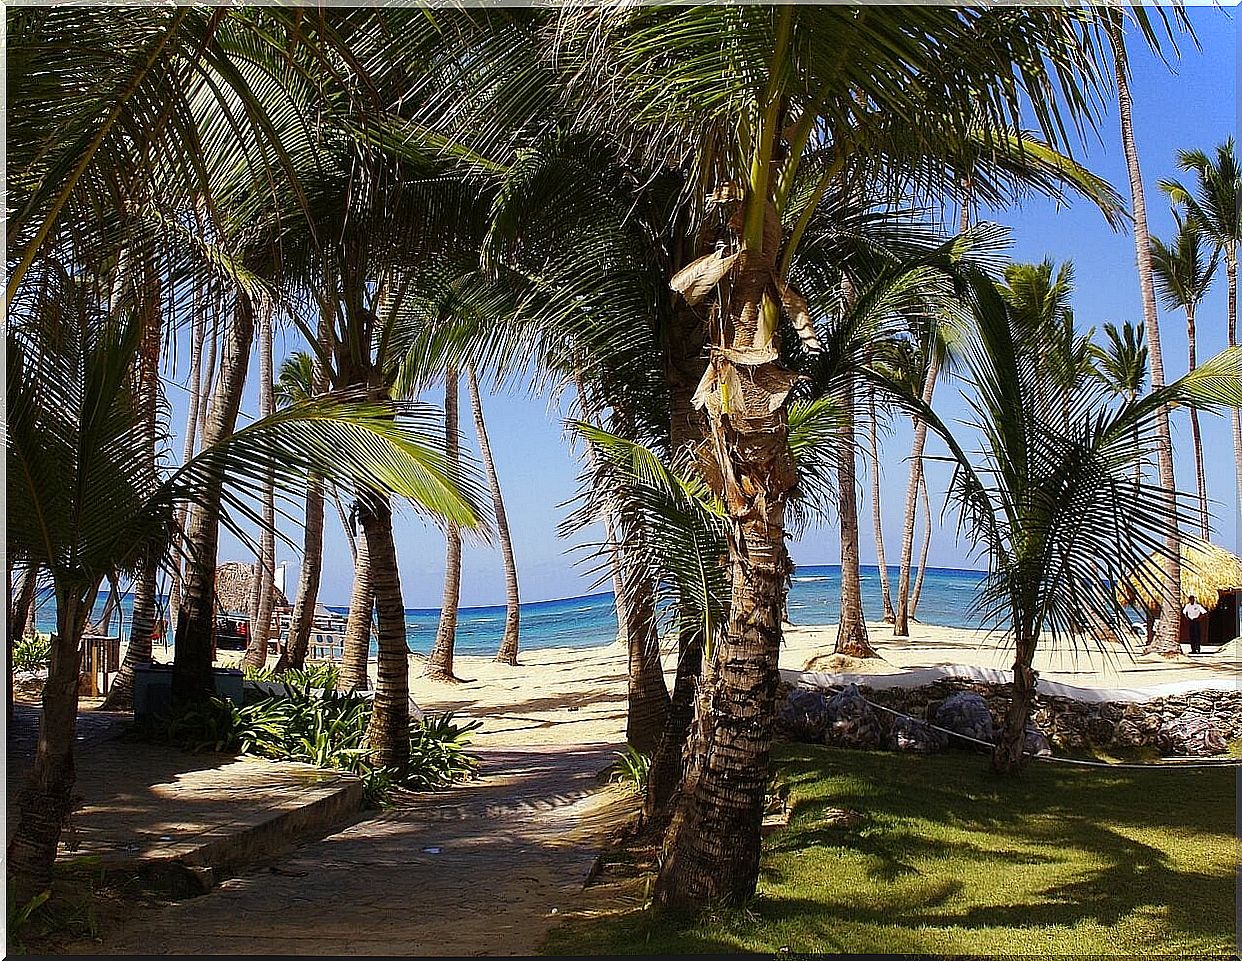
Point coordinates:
[(234, 582), (1207, 572)]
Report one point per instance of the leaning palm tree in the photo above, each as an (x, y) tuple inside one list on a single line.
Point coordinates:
[(508, 650), (1183, 277), (1167, 639), (1215, 207), (1052, 499)]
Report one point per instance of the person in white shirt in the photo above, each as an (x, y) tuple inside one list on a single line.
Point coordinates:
[(1194, 612)]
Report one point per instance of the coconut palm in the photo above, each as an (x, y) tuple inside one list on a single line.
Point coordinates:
[(300, 379), (776, 88), (1122, 365), (1052, 497), (1214, 207), (507, 653), (877, 517), (439, 664), (84, 501), (265, 567), (1167, 638), (1183, 277)]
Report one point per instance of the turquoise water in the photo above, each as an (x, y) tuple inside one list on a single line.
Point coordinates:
[(814, 598)]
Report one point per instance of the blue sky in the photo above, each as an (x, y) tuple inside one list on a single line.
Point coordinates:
[(1192, 105)]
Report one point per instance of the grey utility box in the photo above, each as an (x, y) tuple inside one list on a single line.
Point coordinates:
[(153, 687)]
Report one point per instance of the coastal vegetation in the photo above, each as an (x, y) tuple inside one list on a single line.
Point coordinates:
[(743, 238)]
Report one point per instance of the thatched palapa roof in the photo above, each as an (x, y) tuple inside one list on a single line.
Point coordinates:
[(234, 582), (1206, 571)]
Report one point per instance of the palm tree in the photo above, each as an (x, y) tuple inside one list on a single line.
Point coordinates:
[(507, 653), (877, 518), (774, 87), (852, 638), (301, 378), (1053, 497), (901, 618), (84, 501), (1183, 276), (1122, 365), (1214, 207), (261, 605), (1170, 623), (439, 664)]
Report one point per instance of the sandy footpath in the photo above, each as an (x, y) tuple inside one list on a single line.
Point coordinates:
[(577, 696)]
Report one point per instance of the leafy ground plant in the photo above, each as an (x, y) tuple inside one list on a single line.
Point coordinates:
[(322, 727), (32, 653), (889, 853), (317, 676), (632, 768)]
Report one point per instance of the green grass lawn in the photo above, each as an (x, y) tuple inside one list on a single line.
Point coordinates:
[(951, 859)]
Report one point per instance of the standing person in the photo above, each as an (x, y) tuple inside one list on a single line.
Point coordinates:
[(1194, 612)]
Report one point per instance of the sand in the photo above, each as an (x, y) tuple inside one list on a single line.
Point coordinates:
[(564, 695)]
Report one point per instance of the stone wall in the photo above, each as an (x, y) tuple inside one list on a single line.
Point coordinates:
[(1200, 723)]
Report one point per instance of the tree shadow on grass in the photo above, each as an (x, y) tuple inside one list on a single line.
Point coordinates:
[(1097, 822)]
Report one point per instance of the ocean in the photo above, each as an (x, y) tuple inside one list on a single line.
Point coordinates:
[(588, 621)]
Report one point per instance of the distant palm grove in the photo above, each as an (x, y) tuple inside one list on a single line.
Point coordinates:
[(746, 238)]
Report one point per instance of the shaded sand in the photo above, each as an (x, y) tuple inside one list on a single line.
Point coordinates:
[(577, 696)]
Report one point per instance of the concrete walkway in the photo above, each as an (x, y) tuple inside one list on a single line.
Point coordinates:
[(182, 820), (482, 869)]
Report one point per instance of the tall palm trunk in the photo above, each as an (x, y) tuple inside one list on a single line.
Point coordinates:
[(1167, 638), (345, 526), (388, 736), (198, 332), (507, 654), (22, 605), (138, 651), (1235, 415), (646, 691), (1195, 436), (611, 540), (261, 622), (686, 363), (440, 662), (852, 627), (712, 849), (901, 622), (666, 769), (917, 592), (18, 615), (302, 619), (357, 646), (877, 517), (192, 677), (46, 799)]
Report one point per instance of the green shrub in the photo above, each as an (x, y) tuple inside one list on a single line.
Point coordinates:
[(324, 728), (323, 675), (32, 653), (632, 768)]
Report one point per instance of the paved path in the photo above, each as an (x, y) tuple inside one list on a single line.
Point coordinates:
[(143, 805), (476, 870)]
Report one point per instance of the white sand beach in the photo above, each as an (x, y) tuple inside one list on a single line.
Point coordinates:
[(568, 695)]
